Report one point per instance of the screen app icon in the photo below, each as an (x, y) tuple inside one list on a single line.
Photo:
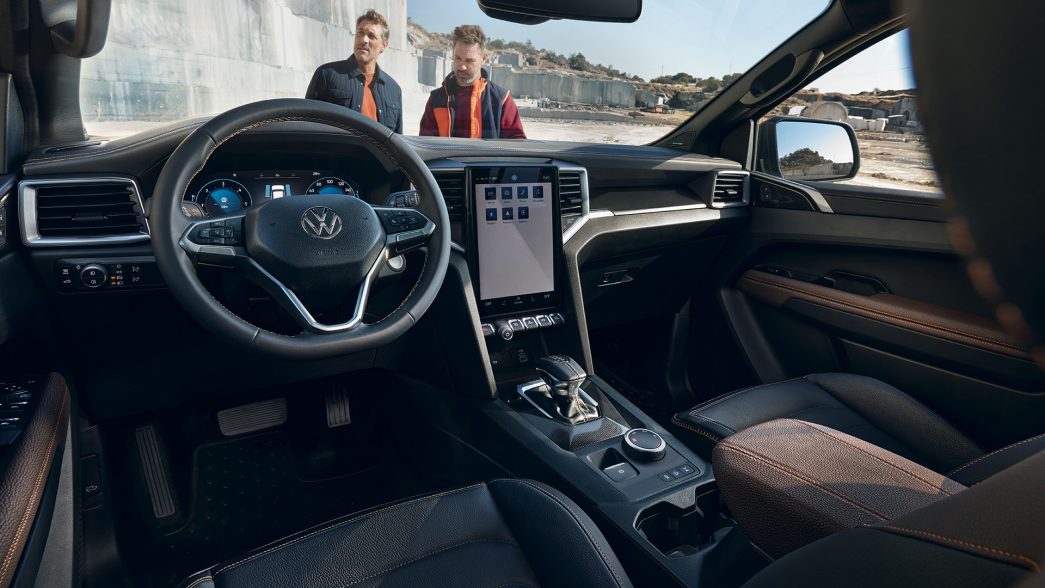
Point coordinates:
[(491, 214), (506, 213), (538, 191), (491, 193), (506, 193), (522, 192), (524, 212)]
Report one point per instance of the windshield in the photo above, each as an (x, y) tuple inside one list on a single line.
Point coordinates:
[(408, 65)]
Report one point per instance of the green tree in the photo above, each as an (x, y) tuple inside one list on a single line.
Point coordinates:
[(578, 62)]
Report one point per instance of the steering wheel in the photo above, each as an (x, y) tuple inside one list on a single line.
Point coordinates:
[(303, 249)]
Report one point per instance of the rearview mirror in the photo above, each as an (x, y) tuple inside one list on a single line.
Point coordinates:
[(536, 11), (806, 149)]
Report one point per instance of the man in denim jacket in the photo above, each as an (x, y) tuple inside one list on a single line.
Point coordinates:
[(357, 82)]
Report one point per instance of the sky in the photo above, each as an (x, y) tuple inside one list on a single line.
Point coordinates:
[(703, 38)]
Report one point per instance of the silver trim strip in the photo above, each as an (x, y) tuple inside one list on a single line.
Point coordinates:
[(700, 206), (585, 201), (30, 221), (813, 194)]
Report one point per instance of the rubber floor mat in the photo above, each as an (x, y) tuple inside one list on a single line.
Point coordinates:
[(254, 490)]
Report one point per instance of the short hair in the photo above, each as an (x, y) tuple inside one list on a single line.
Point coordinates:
[(469, 35), (376, 18)]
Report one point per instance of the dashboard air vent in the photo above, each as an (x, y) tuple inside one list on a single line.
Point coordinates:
[(82, 211), (451, 183), (571, 200), (730, 189)]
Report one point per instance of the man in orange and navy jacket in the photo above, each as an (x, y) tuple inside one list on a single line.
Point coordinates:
[(468, 104)]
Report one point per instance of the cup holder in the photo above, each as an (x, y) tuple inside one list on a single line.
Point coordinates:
[(680, 531)]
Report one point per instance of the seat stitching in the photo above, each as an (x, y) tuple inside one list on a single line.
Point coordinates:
[(199, 581), (35, 494), (684, 425), (727, 446), (341, 524), (904, 530), (893, 315), (428, 555), (711, 420), (995, 452), (865, 452), (580, 524)]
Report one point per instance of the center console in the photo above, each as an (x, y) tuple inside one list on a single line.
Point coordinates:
[(660, 496)]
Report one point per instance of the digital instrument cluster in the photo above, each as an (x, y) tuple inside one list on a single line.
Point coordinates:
[(224, 193)]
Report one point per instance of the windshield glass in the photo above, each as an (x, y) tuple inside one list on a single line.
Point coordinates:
[(409, 66)]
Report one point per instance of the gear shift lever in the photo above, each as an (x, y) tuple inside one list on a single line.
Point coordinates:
[(563, 377)]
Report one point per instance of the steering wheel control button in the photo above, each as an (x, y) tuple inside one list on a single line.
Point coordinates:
[(620, 472), (644, 445), (93, 276)]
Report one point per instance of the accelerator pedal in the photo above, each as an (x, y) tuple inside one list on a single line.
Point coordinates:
[(338, 411)]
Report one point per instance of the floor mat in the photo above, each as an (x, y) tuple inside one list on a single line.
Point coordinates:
[(253, 490)]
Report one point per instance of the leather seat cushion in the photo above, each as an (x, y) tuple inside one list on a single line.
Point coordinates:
[(502, 533), (863, 407)]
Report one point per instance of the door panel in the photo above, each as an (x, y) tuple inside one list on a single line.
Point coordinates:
[(882, 297)]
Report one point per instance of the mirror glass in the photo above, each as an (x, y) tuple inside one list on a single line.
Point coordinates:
[(814, 150)]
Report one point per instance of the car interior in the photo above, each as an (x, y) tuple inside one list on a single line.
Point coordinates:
[(683, 369)]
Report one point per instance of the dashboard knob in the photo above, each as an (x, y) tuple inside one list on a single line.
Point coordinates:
[(93, 275), (644, 445), (504, 330)]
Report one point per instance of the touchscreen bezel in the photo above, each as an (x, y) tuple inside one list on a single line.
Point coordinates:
[(528, 303)]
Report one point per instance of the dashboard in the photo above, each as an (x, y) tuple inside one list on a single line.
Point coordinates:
[(226, 192)]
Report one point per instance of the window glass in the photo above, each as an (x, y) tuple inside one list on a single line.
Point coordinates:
[(874, 92), (595, 82)]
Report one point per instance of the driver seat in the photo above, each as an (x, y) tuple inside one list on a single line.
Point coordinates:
[(517, 533)]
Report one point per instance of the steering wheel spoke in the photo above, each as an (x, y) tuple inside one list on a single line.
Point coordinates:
[(405, 229)]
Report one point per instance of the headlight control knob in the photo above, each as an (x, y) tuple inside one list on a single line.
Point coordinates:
[(93, 275)]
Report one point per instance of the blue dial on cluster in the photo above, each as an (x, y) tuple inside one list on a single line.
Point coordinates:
[(331, 185), (221, 197)]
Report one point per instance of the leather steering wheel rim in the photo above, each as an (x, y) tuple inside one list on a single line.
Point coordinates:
[(168, 224)]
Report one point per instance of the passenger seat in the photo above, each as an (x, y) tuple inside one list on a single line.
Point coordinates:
[(863, 407)]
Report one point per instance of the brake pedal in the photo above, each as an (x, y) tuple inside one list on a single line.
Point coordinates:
[(338, 410), (255, 416), (157, 476)]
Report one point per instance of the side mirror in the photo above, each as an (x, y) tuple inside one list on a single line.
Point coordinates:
[(84, 36), (807, 149)]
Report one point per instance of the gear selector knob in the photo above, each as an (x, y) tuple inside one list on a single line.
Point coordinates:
[(562, 374)]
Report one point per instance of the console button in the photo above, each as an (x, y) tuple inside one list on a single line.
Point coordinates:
[(520, 356), (488, 330), (530, 323), (665, 476), (644, 445), (516, 325), (686, 469), (543, 320), (620, 472), (557, 318)]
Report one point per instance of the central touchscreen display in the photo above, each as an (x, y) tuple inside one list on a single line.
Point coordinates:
[(515, 236)]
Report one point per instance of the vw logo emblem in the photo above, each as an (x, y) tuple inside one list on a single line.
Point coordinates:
[(321, 222)]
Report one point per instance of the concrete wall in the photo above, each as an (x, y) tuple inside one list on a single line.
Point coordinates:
[(168, 59), (565, 88)]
